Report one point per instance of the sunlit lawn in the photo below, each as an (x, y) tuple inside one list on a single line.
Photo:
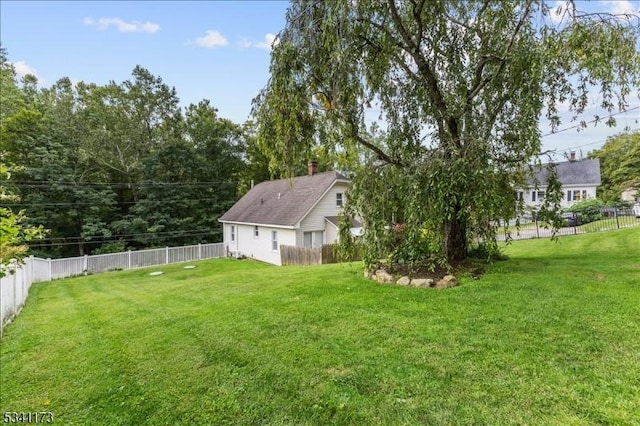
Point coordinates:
[(549, 337), (606, 224)]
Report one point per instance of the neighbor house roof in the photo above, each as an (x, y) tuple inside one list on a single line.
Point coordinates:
[(335, 221), (283, 202), (578, 172)]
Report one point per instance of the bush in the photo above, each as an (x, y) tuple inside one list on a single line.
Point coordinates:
[(112, 247), (588, 210)]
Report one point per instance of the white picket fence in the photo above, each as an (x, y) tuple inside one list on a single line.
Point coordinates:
[(14, 288)]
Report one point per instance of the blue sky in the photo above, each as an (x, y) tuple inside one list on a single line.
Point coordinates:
[(212, 50)]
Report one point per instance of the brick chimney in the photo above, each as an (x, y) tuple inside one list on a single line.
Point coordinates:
[(312, 167), (572, 156)]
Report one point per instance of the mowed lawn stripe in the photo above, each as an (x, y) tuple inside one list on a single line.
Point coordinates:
[(547, 337)]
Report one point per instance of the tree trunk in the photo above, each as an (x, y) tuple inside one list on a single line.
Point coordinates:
[(456, 237)]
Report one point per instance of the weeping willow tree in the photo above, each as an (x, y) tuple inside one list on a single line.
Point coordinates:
[(457, 90)]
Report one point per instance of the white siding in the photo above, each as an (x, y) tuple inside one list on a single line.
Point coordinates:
[(331, 234), (590, 190), (325, 207), (591, 193), (260, 248), (226, 237)]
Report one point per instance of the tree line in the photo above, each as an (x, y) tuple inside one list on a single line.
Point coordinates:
[(107, 168)]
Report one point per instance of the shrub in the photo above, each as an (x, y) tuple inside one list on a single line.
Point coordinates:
[(113, 247), (588, 210)]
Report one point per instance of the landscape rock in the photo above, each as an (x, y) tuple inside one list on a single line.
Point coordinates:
[(422, 282), (383, 277), (447, 281), (404, 281)]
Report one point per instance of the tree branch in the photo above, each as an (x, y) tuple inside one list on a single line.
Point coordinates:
[(362, 141), (433, 90)]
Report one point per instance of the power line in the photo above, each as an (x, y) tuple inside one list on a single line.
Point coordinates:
[(125, 183), (50, 184), (45, 245), (160, 233), (74, 243), (591, 121), (114, 205)]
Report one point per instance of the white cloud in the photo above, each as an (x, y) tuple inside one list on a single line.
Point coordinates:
[(620, 7), (122, 26), (270, 40), (23, 69), (212, 39)]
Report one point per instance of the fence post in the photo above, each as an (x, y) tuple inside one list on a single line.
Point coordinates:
[(23, 284), (50, 269), (85, 264), (615, 212), (31, 270), (128, 259), (14, 277), (199, 251), (166, 253)]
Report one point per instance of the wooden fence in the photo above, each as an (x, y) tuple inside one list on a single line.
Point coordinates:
[(292, 255)]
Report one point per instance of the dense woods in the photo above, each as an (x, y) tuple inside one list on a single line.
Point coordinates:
[(120, 166)]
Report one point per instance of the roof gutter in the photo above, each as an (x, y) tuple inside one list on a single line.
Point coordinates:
[(268, 225)]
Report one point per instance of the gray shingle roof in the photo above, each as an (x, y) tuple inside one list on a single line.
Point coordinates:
[(580, 172), (281, 202), (335, 221)]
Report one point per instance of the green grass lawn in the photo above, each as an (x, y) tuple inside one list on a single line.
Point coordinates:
[(606, 224), (610, 223), (550, 337)]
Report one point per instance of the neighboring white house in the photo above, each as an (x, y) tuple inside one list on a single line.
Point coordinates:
[(630, 194), (298, 212), (579, 179)]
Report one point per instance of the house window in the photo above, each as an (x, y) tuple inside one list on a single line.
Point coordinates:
[(576, 195), (307, 239), (533, 196), (339, 199), (256, 232), (274, 240), (233, 233), (584, 194), (520, 196), (313, 239), (569, 196), (540, 195)]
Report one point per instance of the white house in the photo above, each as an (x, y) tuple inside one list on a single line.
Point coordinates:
[(579, 179), (298, 212)]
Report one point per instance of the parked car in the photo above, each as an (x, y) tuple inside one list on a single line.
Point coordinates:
[(570, 219)]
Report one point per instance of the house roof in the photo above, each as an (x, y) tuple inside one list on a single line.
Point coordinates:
[(335, 221), (283, 202), (580, 172)]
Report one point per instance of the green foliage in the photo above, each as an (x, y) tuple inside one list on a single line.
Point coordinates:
[(549, 213), (549, 337), (15, 233), (117, 164), (460, 88), (588, 210), (619, 165), (113, 247)]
